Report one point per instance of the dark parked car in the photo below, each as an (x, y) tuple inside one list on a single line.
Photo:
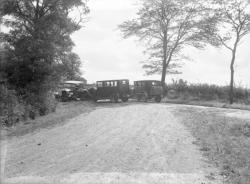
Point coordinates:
[(148, 89), (72, 90), (112, 89)]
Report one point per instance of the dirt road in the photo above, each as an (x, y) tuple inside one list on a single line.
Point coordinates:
[(129, 144)]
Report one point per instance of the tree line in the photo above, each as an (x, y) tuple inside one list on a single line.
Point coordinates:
[(38, 48), (168, 26), (36, 51)]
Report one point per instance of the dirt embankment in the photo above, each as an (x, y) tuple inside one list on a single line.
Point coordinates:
[(131, 144)]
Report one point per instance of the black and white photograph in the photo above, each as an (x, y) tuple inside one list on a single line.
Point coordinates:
[(125, 91)]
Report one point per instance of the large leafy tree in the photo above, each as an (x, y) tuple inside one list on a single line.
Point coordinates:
[(166, 27), (231, 24), (38, 41)]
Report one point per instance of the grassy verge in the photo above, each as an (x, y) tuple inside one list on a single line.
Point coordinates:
[(211, 103), (64, 112), (224, 140)]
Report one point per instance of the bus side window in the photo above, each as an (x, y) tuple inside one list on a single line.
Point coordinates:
[(99, 84)]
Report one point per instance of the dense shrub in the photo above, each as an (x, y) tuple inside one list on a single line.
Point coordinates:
[(36, 53), (9, 113), (15, 108), (207, 92)]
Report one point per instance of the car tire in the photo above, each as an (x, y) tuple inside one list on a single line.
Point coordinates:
[(116, 98), (138, 98), (84, 96), (64, 97), (95, 99), (158, 99), (124, 99), (144, 97)]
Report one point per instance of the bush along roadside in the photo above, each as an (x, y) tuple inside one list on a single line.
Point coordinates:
[(186, 91), (9, 113), (224, 141), (15, 108)]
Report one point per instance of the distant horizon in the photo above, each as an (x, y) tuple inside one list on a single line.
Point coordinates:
[(171, 82)]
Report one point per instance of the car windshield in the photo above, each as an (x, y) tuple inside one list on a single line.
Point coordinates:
[(68, 85), (140, 83), (156, 83)]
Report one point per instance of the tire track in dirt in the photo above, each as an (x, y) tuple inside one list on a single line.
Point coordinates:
[(142, 143)]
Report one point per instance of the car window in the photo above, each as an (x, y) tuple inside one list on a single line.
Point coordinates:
[(108, 83), (124, 82), (99, 84), (156, 83), (68, 85), (114, 83), (81, 85)]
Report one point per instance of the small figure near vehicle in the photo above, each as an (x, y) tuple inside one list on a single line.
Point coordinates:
[(147, 89), (112, 89)]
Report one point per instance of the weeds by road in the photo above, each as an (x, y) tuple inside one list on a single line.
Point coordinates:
[(64, 112), (224, 140), (211, 103)]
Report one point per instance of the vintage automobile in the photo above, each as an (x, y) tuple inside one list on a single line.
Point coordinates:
[(72, 90), (112, 89), (148, 89)]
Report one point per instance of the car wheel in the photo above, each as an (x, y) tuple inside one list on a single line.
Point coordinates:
[(124, 98), (95, 99), (84, 96), (138, 97), (145, 97), (116, 98), (158, 99), (64, 97)]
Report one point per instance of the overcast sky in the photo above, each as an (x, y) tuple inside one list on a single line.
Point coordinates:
[(106, 55)]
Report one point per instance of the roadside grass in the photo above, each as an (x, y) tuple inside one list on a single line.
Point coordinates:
[(64, 112), (211, 103), (225, 141)]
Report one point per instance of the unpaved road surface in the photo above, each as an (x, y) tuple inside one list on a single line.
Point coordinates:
[(140, 143)]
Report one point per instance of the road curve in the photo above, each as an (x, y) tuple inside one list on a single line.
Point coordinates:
[(140, 143)]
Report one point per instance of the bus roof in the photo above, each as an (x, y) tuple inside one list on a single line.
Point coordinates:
[(113, 80)]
